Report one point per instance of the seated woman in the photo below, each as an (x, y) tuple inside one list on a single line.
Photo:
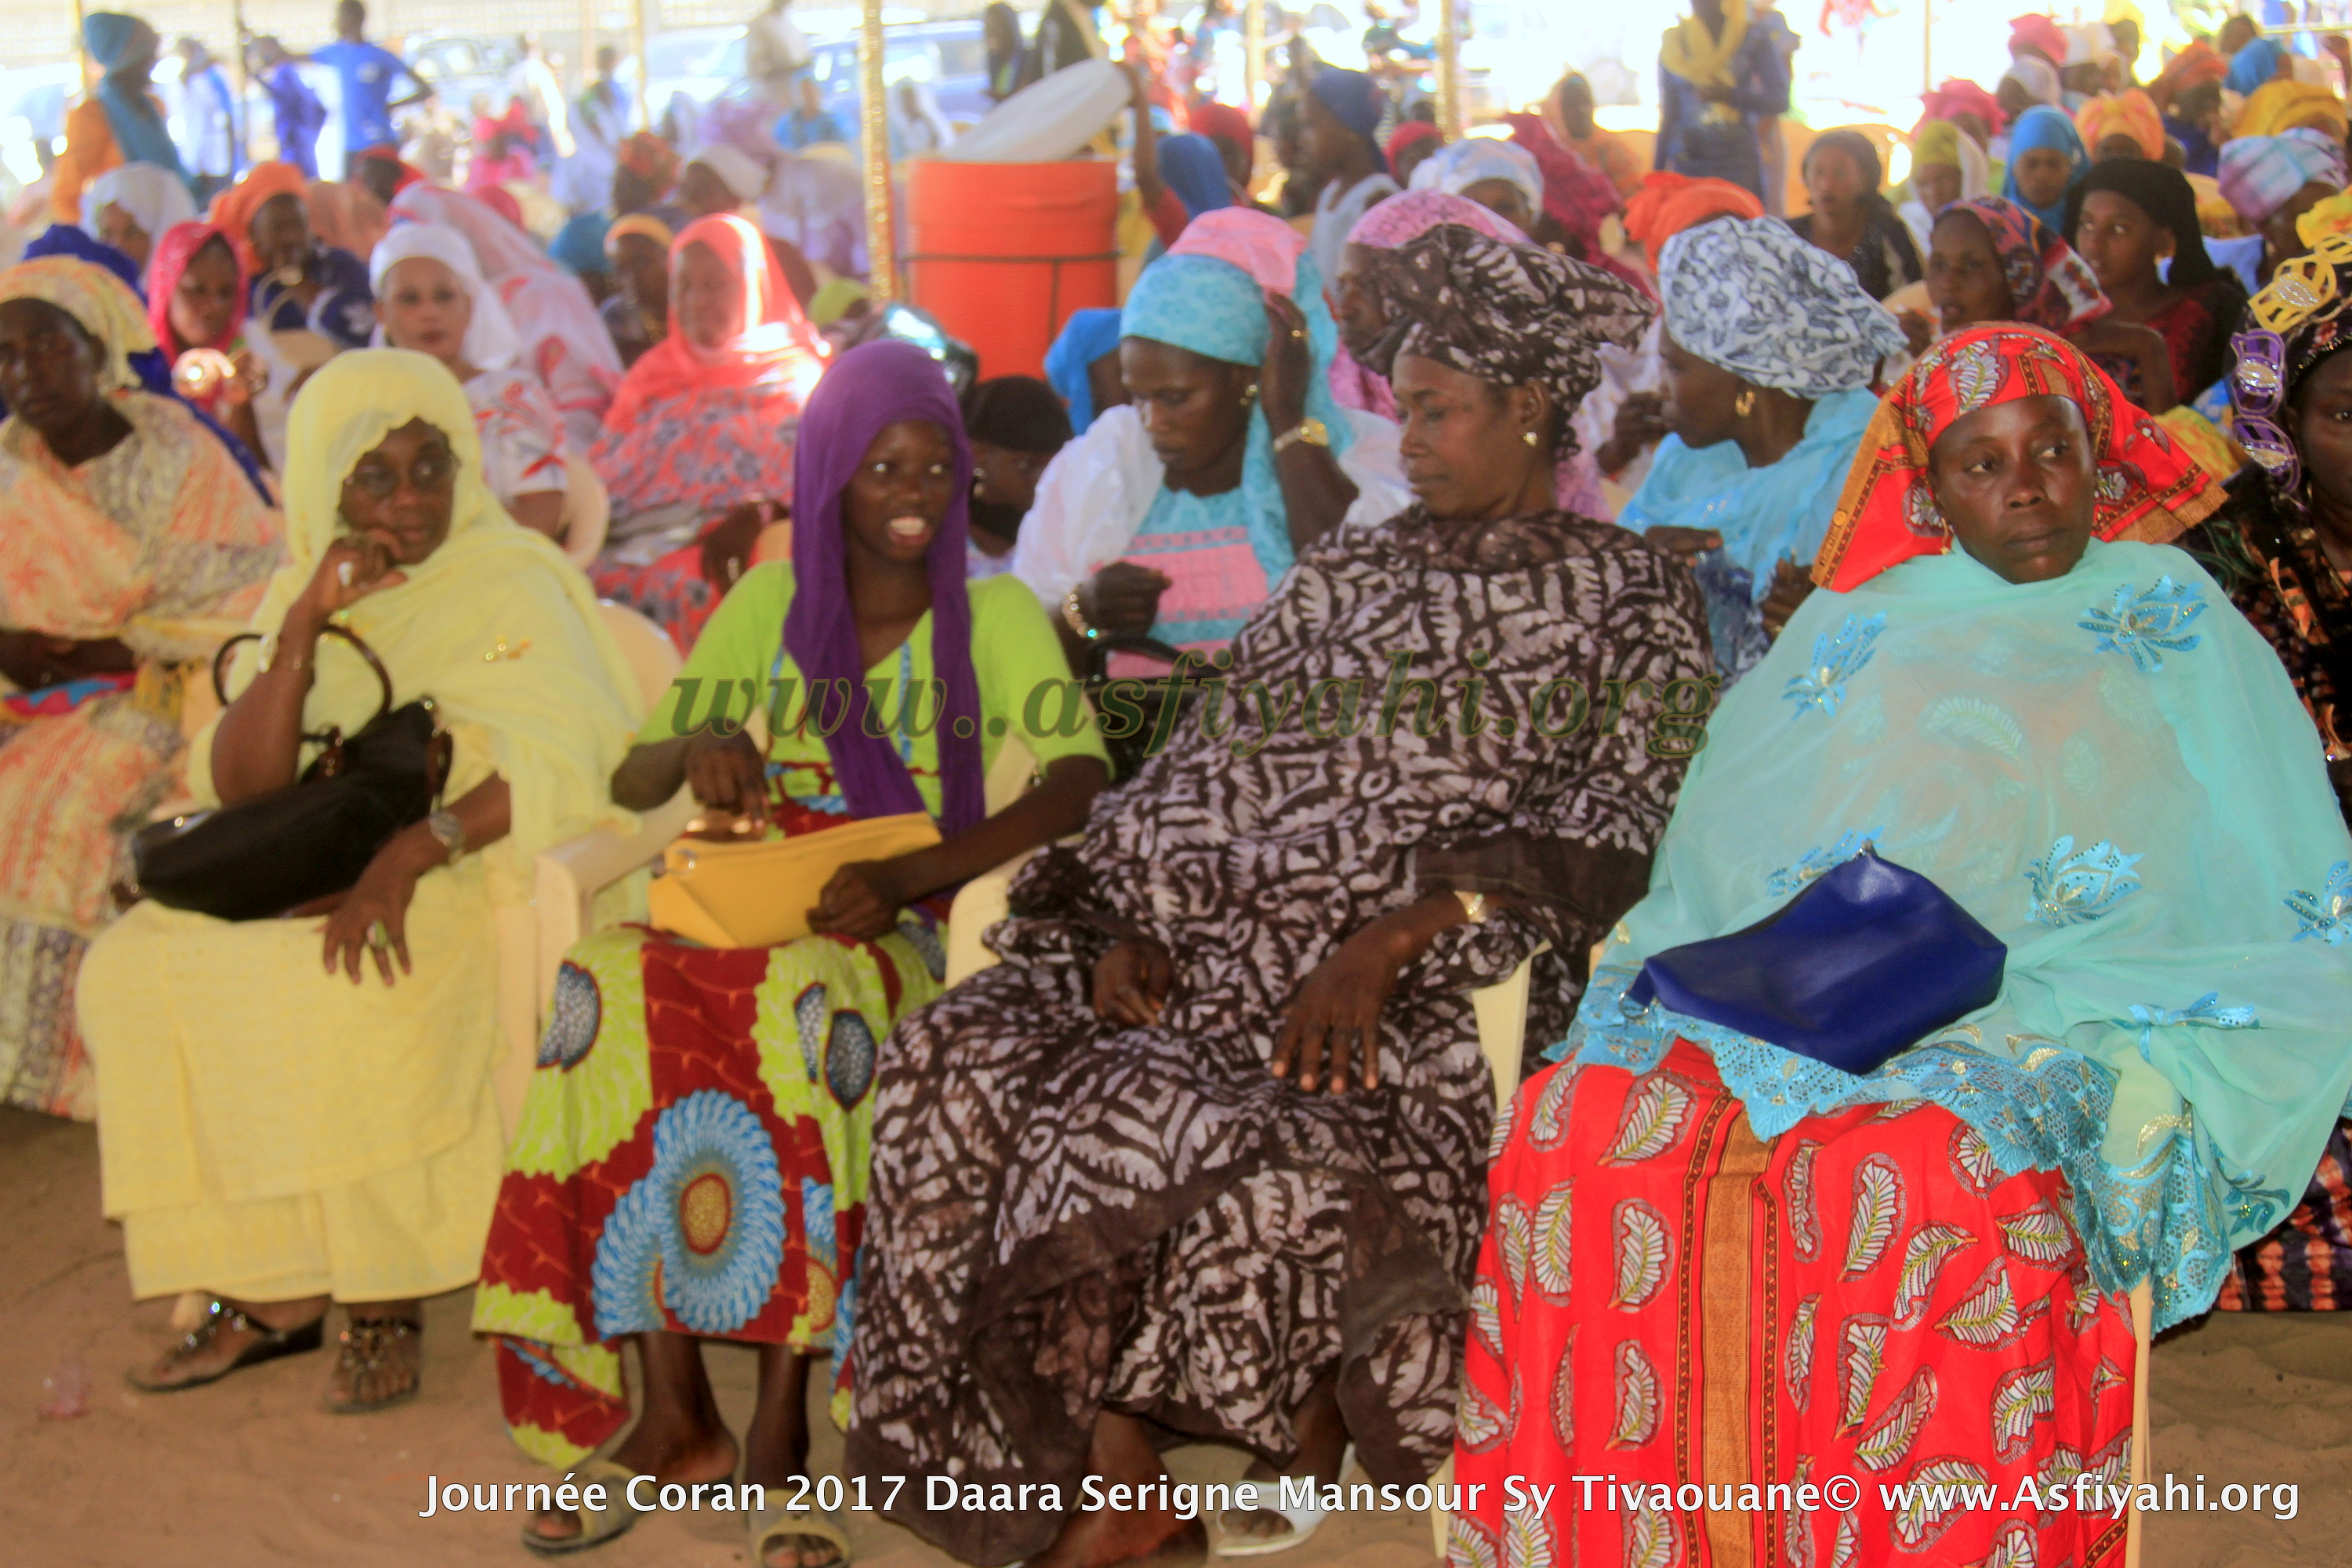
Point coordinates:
[(1367, 279), (1497, 176), (702, 431), (751, 1069), (132, 543), (1850, 217), (298, 283), (2121, 125), (1704, 1244), (636, 312), (430, 296), (1015, 425), (551, 310), (1770, 348), (1204, 1150), (1177, 515), (285, 1134), (2271, 181), (2044, 155), (2282, 545), (1990, 260), (1947, 166), (130, 205), (2125, 216), (195, 300)]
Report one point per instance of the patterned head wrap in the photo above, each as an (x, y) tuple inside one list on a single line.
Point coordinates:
[(1508, 314), (2297, 321), (650, 159), (1669, 203), (1747, 295), (2288, 105), (2131, 114), (2049, 285), (2196, 66), (103, 304), (2333, 215), (2149, 488), (2259, 174), (1456, 166)]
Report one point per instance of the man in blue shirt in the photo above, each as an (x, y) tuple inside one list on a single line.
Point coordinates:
[(297, 110), (367, 74)]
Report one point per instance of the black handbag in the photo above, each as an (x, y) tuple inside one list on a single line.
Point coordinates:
[(1867, 960), (311, 840)]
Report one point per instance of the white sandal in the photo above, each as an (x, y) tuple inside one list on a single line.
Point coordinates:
[(1304, 1520)]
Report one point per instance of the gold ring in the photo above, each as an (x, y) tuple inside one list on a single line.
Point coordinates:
[(379, 938), (1298, 333)]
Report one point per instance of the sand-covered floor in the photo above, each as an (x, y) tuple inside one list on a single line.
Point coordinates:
[(252, 1472)]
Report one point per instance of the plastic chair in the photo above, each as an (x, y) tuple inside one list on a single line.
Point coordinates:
[(587, 511), (567, 877)]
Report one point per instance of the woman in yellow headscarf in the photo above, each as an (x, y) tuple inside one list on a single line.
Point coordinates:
[(296, 1110), (1716, 75), (2288, 105)]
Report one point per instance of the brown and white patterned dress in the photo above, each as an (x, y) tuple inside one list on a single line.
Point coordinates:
[(1068, 1214)]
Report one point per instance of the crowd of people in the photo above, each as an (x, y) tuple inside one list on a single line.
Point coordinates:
[(1451, 560)]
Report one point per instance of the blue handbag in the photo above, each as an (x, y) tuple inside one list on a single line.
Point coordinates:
[(1867, 960)]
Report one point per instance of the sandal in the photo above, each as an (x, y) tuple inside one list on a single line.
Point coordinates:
[(1304, 1522), (597, 1526), (771, 1527), (367, 1344), (269, 1344)]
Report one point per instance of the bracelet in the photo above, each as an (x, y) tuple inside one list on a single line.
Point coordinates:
[(1076, 618), (449, 832), (268, 661)]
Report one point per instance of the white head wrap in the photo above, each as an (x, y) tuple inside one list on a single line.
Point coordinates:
[(491, 341), (155, 198), (736, 170), (1458, 165)]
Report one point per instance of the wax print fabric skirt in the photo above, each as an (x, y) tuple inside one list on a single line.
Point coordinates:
[(1663, 1300), (691, 1158)]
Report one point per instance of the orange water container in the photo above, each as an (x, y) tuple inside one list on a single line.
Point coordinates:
[(1002, 253)]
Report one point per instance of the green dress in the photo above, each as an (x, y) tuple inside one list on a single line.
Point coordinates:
[(692, 1155)]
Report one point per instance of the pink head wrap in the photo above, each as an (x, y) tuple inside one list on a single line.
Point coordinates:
[(1261, 245), (1406, 216)]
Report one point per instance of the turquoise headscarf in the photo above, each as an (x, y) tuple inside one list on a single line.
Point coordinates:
[(2042, 126), (1216, 310), (2110, 772), (131, 113)]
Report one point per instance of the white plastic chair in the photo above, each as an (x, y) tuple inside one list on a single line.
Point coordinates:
[(587, 511), (567, 877)]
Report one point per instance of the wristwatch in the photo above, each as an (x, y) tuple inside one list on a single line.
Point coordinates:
[(449, 832), (1309, 430)]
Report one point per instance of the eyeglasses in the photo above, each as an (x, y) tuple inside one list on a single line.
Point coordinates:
[(378, 478), (2257, 386)]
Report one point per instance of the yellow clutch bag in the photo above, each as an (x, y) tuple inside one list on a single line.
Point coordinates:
[(760, 894)]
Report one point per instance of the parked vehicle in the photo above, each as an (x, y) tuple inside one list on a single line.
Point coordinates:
[(460, 67)]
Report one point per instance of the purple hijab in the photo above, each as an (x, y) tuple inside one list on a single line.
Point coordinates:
[(873, 386)]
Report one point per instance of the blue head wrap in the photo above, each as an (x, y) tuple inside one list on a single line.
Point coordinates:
[(1216, 310), (2042, 126), (153, 370), (2252, 66), (131, 113), (1196, 172), (1086, 337), (1350, 95), (579, 245)]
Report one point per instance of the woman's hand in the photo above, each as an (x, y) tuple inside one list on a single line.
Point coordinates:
[(1917, 329), (1282, 380), (1123, 597), (728, 543), (1640, 424), (1791, 585), (1688, 542), (728, 774), (349, 571), (249, 378), (861, 902), (1131, 983), (374, 916), (1333, 1023)]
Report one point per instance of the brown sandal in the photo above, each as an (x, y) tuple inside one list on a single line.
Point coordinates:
[(367, 1345), (269, 1344)]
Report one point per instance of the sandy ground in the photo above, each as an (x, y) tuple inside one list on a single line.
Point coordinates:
[(252, 1471)]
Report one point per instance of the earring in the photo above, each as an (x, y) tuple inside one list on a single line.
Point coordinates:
[(1744, 404), (1529, 437), (1249, 395)]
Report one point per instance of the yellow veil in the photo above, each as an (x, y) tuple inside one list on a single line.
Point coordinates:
[(496, 626), (1701, 58)]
